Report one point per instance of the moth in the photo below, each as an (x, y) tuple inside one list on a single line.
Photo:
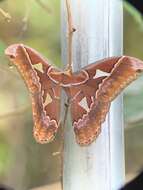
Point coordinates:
[(90, 91)]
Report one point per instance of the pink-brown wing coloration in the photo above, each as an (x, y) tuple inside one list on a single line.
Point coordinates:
[(44, 93), (90, 91), (90, 101)]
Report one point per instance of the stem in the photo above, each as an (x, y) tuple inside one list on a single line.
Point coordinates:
[(63, 134), (66, 112), (5, 15), (44, 6), (71, 30)]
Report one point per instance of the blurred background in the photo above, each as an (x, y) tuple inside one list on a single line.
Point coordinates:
[(24, 164)]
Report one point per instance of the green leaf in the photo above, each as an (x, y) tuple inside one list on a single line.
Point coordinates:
[(2, 47)]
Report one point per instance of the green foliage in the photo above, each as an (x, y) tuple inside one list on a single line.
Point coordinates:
[(133, 96), (41, 30), (133, 46), (4, 155), (34, 26), (136, 15), (2, 47)]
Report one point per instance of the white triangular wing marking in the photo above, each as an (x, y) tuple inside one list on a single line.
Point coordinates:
[(48, 100), (38, 66), (100, 73), (83, 104)]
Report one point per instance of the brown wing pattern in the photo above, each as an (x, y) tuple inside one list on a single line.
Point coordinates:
[(90, 91), (99, 91), (44, 93)]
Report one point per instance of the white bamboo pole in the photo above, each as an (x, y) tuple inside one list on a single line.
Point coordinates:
[(99, 34)]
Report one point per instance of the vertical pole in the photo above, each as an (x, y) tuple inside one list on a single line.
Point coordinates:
[(99, 166)]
